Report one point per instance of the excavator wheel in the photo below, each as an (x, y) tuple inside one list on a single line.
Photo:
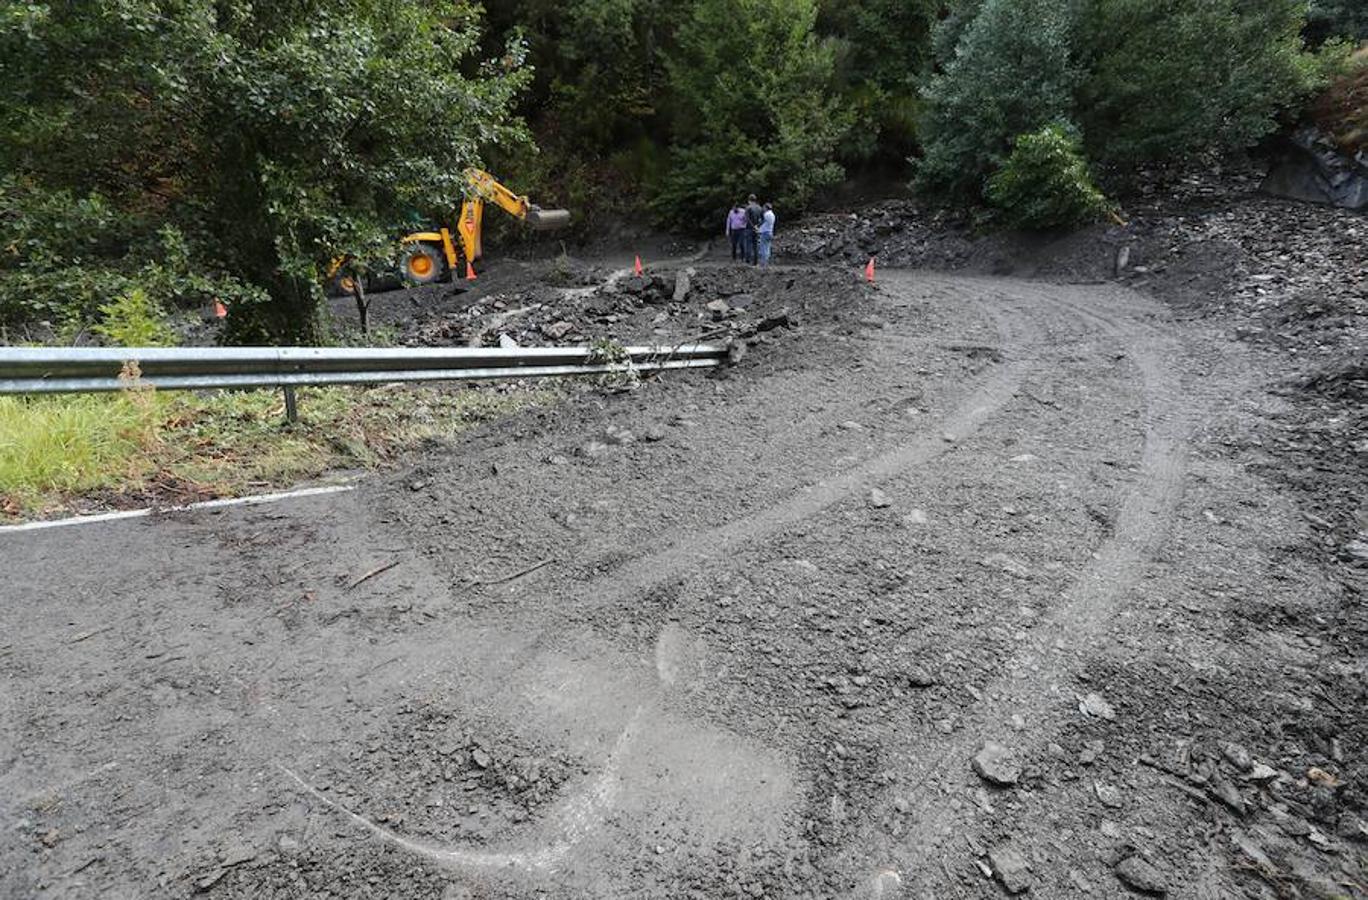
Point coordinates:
[(422, 264), (342, 283)]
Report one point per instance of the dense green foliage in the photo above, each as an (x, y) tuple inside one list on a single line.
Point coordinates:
[(232, 148), (1338, 18), (754, 108), (1009, 73), (1045, 182), (1228, 68), (194, 150), (1146, 81)]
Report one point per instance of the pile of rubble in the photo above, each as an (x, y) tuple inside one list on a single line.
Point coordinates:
[(665, 306)]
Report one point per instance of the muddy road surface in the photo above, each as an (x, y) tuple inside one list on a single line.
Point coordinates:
[(971, 587)]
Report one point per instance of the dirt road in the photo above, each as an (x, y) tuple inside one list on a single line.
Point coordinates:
[(983, 586)]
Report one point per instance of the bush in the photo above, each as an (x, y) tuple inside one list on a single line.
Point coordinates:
[(1010, 73), (134, 320), (1045, 182)]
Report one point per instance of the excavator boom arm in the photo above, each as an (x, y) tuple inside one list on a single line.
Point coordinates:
[(488, 188)]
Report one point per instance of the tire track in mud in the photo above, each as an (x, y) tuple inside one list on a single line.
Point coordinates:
[(1032, 683), (580, 814), (1018, 340)]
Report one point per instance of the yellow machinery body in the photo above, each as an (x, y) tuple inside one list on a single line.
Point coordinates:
[(430, 255), (467, 243)]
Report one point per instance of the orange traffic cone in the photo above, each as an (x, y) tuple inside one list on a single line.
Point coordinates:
[(638, 269), (470, 271), (869, 270), (220, 311)]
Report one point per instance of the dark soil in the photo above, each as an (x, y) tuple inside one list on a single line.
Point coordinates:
[(745, 633)]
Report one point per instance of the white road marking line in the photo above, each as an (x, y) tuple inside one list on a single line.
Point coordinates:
[(254, 500)]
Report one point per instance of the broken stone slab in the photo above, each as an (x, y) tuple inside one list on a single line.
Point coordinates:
[(557, 330), (1010, 869), (1093, 705), (1007, 564), (1136, 873), (921, 678), (1109, 794), (718, 307), (681, 287), (1225, 792), (997, 765), (619, 436), (1237, 756)]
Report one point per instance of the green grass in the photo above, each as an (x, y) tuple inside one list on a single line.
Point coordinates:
[(89, 452)]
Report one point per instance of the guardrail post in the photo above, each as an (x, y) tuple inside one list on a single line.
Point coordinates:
[(291, 405)]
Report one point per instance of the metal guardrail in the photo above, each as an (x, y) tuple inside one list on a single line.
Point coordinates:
[(47, 370), (55, 370)]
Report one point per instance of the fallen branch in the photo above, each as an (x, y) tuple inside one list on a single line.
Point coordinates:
[(518, 574), (90, 634), (372, 573)]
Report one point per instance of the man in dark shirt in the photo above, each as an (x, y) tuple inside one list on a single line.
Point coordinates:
[(755, 214)]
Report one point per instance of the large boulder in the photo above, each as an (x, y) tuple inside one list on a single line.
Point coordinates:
[(1313, 169)]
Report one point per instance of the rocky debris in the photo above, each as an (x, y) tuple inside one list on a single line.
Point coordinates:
[(1138, 874), (557, 330), (1095, 706), (1237, 756), (1315, 169), (915, 517), (884, 885), (920, 678), (897, 232), (1109, 794), (619, 436), (1010, 869), (695, 303), (878, 499), (1005, 563), (997, 765), (1226, 792)]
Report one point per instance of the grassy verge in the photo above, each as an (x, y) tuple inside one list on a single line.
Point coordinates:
[(83, 453)]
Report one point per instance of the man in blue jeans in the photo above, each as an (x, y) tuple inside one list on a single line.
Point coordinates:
[(766, 234), (754, 216)]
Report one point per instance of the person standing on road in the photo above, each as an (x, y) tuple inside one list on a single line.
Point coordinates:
[(766, 234), (754, 216), (736, 231)]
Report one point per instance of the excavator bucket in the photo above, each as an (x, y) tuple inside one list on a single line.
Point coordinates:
[(547, 219)]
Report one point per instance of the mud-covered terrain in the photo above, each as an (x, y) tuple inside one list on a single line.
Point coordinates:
[(962, 585)]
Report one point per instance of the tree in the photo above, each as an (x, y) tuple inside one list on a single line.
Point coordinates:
[(1337, 18), (883, 57), (271, 138), (1228, 69), (1011, 72), (753, 109)]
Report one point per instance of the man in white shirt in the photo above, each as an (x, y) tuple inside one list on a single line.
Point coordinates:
[(766, 234)]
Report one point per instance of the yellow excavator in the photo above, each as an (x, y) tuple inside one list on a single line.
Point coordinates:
[(430, 256)]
